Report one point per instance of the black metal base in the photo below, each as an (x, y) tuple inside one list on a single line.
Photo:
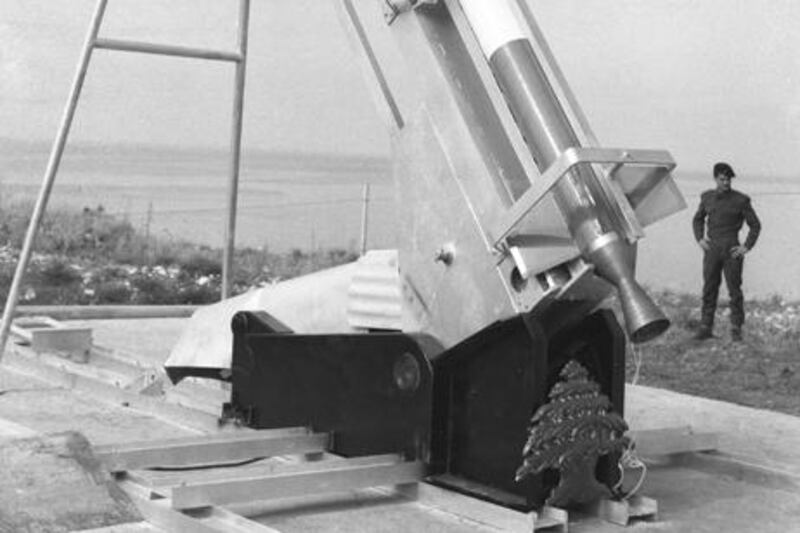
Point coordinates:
[(372, 392), (465, 410), (487, 388)]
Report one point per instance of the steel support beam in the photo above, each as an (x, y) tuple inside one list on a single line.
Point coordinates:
[(166, 50), (296, 484), (236, 150), (206, 450), (50, 174)]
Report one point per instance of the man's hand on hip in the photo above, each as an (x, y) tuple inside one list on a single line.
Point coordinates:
[(704, 244), (739, 251)]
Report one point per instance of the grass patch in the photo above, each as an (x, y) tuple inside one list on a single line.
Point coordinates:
[(763, 371), (89, 257)]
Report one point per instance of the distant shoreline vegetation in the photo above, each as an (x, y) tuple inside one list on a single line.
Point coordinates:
[(90, 257)]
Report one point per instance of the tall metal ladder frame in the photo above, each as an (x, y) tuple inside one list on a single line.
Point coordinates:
[(92, 42)]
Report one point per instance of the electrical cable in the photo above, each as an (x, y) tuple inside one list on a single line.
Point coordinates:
[(630, 459), (637, 362)]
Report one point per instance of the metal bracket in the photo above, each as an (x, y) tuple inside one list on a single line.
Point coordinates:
[(394, 8), (509, 220), (235, 414)]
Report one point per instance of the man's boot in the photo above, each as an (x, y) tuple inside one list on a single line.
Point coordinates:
[(703, 333), (736, 334)]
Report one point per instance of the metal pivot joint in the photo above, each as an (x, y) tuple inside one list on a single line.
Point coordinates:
[(394, 8)]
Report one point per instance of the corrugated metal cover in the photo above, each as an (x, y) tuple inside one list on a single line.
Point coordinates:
[(374, 300)]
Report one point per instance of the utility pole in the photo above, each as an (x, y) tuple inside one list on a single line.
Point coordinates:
[(364, 217), (148, 220)]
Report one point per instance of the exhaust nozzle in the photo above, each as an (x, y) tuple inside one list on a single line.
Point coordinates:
[(613, 261)]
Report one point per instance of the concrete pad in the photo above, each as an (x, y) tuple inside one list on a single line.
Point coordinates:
[(689, 499), (764, 437), (54, 483)]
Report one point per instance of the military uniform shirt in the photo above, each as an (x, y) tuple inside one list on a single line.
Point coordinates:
[(722, 214)]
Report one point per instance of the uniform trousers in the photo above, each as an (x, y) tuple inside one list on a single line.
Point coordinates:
[(717, 261)]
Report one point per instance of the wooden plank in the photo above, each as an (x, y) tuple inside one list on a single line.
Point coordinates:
[(109, 376), (197, 396), (75, 341), (31, 365), (227, 521), (622, 512), (47, 335), (666, 441), (120, 363), (211, 404), (160, 480), (160, 513), (210, 449), (68, 367), (292, 485), (106, 312), (482, 512)]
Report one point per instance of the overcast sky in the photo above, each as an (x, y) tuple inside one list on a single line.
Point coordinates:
[(705, 79)]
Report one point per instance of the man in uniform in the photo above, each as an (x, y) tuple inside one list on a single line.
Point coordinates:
[(716, 226)]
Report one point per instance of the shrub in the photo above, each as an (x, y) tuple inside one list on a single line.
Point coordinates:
[(152, 290), (201, 264), (199, 295), (112, 292), (59, 272), (93, 257)]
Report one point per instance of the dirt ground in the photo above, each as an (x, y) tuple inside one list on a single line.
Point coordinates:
[(763, 371)]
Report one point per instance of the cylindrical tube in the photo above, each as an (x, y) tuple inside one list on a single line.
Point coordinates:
[(539, 115), (548, 133)]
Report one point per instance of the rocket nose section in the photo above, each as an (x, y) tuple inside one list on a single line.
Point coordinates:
[(644, 320)]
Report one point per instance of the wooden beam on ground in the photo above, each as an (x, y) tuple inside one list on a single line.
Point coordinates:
[(159, 512), (45, 334), (290, 485), (106, 312), (624, 511), (431, 497), (667, 441), (210, 449), (207, 397), (80, 378), (162, 480)]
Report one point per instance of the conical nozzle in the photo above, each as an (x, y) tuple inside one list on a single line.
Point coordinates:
[(644, 320), (613, 261)]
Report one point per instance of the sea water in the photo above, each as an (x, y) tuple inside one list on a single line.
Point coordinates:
[(307, 201)]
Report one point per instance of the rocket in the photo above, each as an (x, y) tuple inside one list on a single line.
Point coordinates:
[(547, 131)]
